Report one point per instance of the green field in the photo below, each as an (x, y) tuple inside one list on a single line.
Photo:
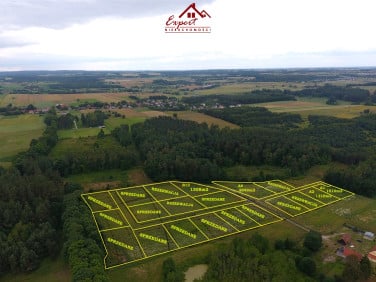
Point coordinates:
[(317, 106), (241, 87), (16, 132), (110, 124), (173, 215), (201, 118), (49, 270), (327, 220)]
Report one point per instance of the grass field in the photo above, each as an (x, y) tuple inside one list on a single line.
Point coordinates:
[(328, 220), (237, 87), (50, 270), (16, 132), (80, 132), (201, 118), (46, 100), (246, 173), (110, 124), (317, 106), (151, 270), (100, 180), (164, 205)]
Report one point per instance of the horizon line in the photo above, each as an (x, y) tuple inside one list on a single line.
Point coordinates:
[(183, 70)]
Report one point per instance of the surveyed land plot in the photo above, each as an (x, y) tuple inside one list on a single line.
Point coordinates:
[(308, 198), (163, 200), (257, 190), (136, 223)]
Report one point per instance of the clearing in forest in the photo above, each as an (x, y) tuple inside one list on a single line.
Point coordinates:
[(139, 222)]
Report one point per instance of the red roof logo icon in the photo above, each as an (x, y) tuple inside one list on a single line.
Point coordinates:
[(191, 20), (191, 12)]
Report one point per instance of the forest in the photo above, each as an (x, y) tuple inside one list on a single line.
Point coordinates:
[(38, 208), (172, 148), (253, 97)]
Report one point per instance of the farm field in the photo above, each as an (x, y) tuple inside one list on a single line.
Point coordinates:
[(201, 118), (47, 100), (140, 222), (110, 124), (133, 116), (317, 106), (241, 87), (16, 132)]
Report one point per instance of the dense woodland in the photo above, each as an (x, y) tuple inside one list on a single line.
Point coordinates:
[(38, 211), (30, 207), (172, 148), (256, 117), (253, 97)]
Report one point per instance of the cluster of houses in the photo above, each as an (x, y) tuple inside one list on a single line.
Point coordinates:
[(348, 249)]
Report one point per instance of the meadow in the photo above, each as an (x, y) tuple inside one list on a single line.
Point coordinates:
[(16, 132), (48, 100), (317, 106), (201, 118)]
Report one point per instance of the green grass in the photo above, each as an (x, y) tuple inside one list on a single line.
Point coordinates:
[(82, 101), (100, 176), (80, 132), (201, 118), (113, 122), (67, 145), (49, 270), (326, 220), (6, 164), (110, 124), (151, 269), (246, 173), (356, 210), (306, 106), (241, 87), (16, 132)]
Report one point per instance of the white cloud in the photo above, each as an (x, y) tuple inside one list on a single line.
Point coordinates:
[(270, 33)]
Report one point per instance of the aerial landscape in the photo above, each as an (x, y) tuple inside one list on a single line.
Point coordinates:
[(177, 141), (147, 174)]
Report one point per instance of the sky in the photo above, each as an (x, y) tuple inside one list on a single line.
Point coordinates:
[(130, 34)]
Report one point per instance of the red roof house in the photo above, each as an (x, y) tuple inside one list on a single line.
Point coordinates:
[(348, 252), (372, 255), (345, 239)]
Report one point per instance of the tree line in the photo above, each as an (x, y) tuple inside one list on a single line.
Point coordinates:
[(81, 240), (172, 148), (252, 97), (30, 207), (256, 116), (36, 207)]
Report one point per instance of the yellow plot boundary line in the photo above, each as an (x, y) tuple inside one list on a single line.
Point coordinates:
[(240, 199), (274, 193), (199, 229), (216, 213), (311, 186)]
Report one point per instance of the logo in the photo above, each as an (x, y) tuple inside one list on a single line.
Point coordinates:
[(191, 20)]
